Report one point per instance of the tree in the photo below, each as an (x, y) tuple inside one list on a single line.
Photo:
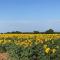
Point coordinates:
[(36, 32), (50, 31)]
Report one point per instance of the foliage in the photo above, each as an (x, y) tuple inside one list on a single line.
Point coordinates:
[(36, 32), (50, 31), (31, 48)]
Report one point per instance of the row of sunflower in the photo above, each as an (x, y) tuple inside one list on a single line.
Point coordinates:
[(48, 50), (27, 38), (31, 46)]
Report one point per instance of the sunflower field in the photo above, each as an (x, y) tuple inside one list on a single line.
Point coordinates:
[(31, 46)]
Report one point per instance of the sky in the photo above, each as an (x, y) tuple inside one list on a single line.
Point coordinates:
[(29, 15)]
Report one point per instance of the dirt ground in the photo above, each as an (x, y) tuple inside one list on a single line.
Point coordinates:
[(4, 56)]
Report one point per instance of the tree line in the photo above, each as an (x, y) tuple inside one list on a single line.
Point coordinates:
[(49, 31)]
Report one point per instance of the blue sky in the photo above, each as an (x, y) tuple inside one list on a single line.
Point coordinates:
[(29, 15)]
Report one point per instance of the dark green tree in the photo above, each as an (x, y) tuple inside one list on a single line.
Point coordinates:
[(36, 32), (50, 31)]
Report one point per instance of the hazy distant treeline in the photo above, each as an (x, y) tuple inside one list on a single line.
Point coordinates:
[(50, 31)]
